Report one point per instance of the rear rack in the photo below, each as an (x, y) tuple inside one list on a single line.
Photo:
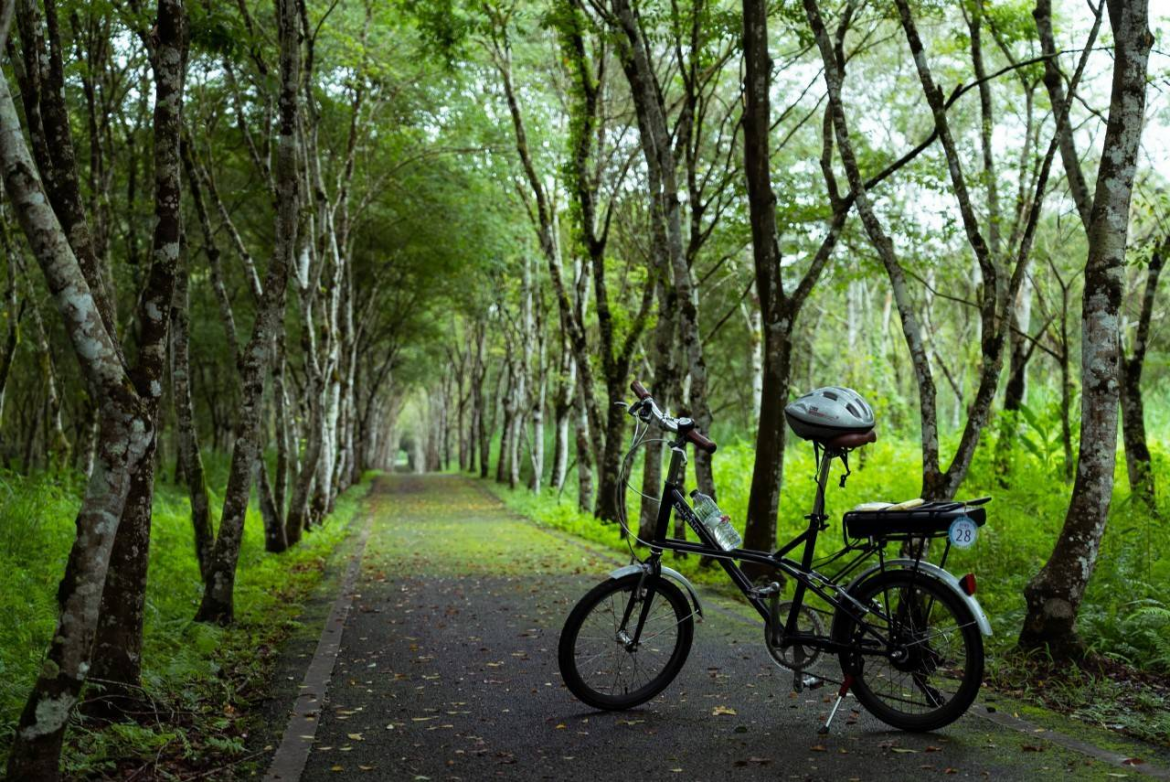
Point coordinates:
[(929, 520)]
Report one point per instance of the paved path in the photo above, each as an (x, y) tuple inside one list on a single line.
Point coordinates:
[(447, 671)]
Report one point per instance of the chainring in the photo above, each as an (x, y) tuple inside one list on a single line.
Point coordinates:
[(792, 657)]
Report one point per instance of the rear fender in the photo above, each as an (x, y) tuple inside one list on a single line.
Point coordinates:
[(933, 570), (672, 574)]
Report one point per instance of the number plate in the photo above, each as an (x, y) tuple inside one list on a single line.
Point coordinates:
[(963, 532)]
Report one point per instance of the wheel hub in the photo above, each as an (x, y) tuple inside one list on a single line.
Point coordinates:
[(626, 641)]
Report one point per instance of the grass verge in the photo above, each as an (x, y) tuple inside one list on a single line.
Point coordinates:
[(199, 681)]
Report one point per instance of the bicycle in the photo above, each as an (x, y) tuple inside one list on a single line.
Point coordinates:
[(908, 635)]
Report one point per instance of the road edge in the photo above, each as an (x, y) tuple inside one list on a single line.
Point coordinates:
[(291, 756)]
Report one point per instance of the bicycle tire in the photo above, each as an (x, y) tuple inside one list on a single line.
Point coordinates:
[(568, 653), (846, 630)]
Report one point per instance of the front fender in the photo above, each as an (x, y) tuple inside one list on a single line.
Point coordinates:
[(940, 574), (672, 574)]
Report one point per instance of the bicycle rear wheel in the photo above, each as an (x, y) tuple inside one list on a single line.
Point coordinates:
[(932, 669), (599, 663)]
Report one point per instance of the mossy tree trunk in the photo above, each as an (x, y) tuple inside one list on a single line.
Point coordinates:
[(1054, 595)]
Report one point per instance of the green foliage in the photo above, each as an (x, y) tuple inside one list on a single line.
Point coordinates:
[(1137, 633), (1043, 438), (197, 676), (443, 26)]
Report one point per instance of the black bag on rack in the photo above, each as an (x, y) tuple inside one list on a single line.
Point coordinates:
[(931, 519)]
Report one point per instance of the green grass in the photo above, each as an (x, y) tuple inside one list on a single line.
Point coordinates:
[(197, 679)]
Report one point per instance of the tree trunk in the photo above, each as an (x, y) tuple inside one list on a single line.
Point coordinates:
[(665, 390), (1020, 352), (1137, 452), (505, 452), (544, 223), (483, 433), (1054, 83), (56, 443), (1054, 595), (217, 604), (117, 652), (118, 644), (126, 420), (778, 312), (562, 409), (752, 318), (540, 399), (297, 520), (608, 485), (188, 433), (281, 414), (584, 457), (12, 315)]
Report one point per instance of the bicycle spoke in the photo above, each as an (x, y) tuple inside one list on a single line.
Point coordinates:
[(602, 658), (926, 634)]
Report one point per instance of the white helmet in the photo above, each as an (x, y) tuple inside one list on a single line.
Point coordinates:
[(829, 412)]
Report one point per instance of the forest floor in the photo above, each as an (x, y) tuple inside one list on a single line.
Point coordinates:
[(446, 669)]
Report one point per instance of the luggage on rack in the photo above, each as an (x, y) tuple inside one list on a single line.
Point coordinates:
[(929, 519)]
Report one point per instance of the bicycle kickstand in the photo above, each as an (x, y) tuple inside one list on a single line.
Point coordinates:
[(841, 693)]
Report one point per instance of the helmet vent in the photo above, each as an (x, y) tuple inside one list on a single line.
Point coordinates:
[(852, 410), (830, 395)]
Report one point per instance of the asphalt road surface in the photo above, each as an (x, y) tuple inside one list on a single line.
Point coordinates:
[(447, 671)]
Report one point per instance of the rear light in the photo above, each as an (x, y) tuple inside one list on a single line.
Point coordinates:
[(967, 584)]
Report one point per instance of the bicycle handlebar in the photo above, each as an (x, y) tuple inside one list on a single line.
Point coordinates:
[(664, 421), (701, 441)]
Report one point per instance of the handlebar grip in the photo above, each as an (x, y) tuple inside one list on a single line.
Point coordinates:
[(639, 390), (701, 441)]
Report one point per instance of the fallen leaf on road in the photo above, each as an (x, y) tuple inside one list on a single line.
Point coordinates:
[(933, 748), (723, 711), (818, 748), (1132, 762), (903, 750), (1031, 748), (354, 737)]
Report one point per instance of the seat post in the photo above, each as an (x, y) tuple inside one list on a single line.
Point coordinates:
[(818, 510)]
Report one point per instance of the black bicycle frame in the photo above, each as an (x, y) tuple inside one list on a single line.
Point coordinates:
[(802, 572)]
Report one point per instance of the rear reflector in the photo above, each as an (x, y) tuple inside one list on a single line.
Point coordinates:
[(967, 584)]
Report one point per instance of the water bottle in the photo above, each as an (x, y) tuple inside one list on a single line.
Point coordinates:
[(716, 522)]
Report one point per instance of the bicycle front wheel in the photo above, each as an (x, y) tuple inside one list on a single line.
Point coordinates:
[(929, 673), (599, 662)]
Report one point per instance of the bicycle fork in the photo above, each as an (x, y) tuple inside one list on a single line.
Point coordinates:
[(647, 581)]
